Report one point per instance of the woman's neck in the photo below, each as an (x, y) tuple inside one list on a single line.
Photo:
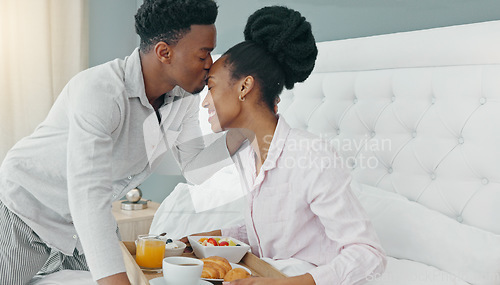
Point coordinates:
[(260, 133)]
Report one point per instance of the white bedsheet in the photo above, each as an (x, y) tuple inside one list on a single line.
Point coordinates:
[(398, 272), (67, 277), (407, 272)]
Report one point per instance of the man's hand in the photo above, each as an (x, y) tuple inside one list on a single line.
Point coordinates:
[(117, 279)]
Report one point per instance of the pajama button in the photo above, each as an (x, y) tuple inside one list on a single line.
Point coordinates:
[(74, 236), (129, 178)]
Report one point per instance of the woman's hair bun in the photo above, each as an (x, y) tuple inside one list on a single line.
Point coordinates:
[(286, 35)]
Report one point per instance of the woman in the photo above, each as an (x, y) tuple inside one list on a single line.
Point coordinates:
[(299, 200)]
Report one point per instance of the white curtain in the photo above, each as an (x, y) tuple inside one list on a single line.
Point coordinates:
[(43, 43)]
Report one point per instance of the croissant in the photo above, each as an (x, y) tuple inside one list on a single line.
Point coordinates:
[(209, 272), (235, 274), (215, 267), (221, 261)]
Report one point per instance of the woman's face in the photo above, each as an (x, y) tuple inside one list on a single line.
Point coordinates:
[(222, 98)]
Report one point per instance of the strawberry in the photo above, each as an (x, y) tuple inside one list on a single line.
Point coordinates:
[(212, 241)]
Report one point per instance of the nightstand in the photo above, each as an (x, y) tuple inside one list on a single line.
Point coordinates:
[(134, 222)]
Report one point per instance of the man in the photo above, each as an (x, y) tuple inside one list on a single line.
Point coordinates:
[(104, 135)]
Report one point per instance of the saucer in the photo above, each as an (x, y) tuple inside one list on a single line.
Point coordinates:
[(161, 281)]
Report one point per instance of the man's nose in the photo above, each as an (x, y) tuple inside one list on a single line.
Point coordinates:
[(209, 62)]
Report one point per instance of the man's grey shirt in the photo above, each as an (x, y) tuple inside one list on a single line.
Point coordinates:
[(100, 139)]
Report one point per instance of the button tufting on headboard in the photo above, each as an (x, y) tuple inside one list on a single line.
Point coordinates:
[(428, 130)]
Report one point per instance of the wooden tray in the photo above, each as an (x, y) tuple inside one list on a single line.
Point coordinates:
[(138, 277)]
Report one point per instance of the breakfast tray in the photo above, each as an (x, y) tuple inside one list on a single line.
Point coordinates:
[(138, 277)]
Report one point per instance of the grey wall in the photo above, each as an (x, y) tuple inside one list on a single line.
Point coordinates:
[(342, 19), (112, 31), (112, 21)]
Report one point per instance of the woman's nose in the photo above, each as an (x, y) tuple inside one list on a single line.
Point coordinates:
[(205, 103)]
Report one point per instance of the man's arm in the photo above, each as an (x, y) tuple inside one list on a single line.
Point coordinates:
[(92, 118), (117, 279)]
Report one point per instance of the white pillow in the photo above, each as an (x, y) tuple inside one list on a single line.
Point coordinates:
[(215, 204), (408, 230)]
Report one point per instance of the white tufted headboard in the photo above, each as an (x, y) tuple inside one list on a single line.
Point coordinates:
[(418, 114)]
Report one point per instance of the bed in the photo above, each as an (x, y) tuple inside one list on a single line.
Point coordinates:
[(415, 115)]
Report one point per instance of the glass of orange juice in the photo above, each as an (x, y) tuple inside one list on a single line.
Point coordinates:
[(150, 250)]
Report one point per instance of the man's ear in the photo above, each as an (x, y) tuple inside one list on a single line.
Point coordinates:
[(163, 52), (246, 86)]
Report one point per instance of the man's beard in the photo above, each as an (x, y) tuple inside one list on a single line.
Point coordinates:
[(198, 90)]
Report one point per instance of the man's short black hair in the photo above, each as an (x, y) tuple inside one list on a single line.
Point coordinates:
[(170, 20)]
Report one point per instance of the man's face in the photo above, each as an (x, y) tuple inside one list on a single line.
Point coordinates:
[(192, 59)]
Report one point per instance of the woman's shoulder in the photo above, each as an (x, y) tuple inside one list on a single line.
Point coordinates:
[(310, 153), (305, 141)]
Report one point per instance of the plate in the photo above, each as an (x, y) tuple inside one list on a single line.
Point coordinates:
[(233, 265), (161, 281)]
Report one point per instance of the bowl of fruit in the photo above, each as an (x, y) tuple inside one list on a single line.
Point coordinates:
[(230, 248)]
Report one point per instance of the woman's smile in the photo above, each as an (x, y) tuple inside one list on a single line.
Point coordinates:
[(211, 114)]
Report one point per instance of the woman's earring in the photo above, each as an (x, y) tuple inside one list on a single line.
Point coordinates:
[(241, 98)]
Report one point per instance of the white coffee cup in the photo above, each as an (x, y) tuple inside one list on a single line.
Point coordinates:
[(181, 270)]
